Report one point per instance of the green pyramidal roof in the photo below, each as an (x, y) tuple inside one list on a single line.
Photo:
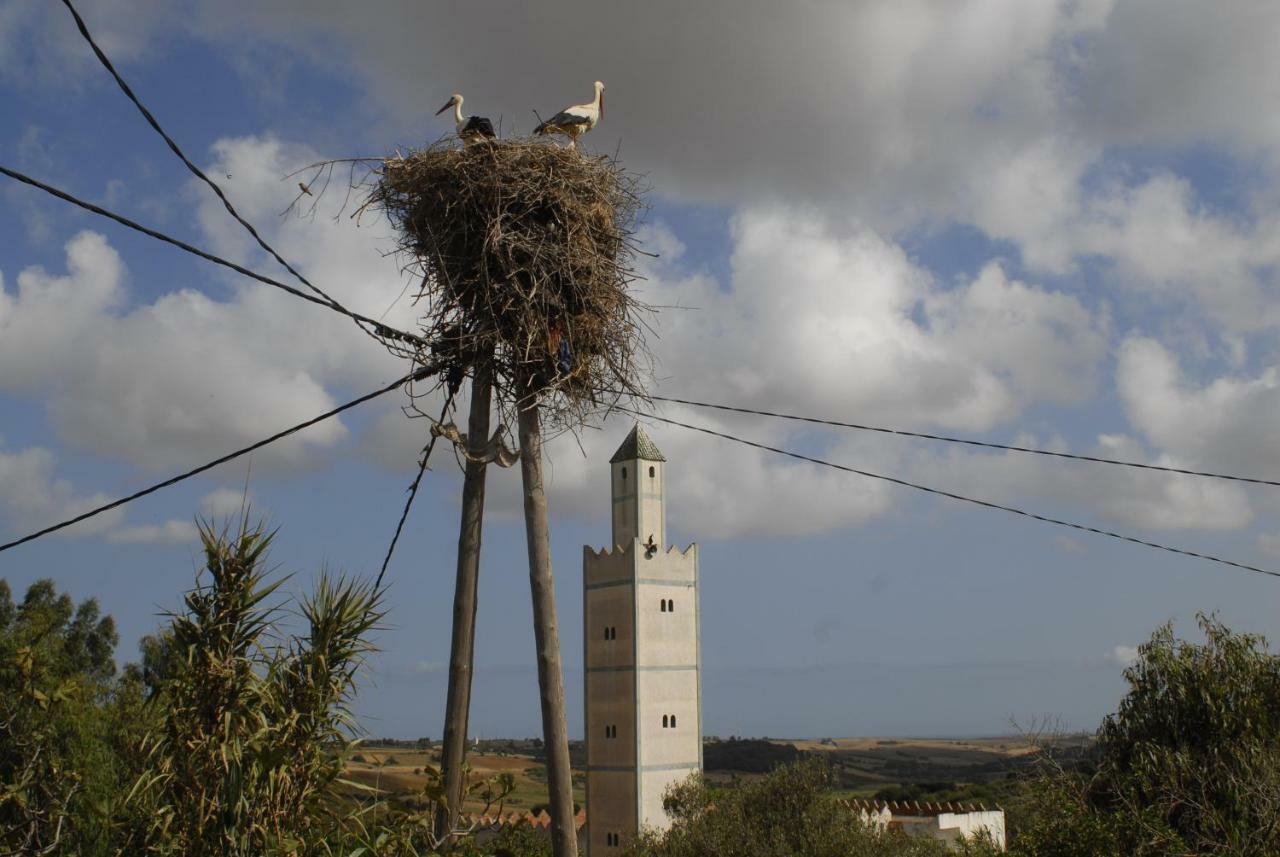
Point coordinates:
[(637, 445)]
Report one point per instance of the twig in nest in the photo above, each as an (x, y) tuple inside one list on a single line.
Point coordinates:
[(526, 252)]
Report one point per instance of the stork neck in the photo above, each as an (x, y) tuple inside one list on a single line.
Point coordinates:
[(457, 111)]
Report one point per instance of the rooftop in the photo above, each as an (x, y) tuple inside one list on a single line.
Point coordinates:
[(637, 445)]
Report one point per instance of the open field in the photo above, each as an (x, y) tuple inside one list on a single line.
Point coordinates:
[(399, 772), (864, 766)]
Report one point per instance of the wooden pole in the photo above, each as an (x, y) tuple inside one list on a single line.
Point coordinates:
[(462, 651), (555, 732)]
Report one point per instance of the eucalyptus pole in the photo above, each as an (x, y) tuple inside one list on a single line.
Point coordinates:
[(462, 649), (555, 731)]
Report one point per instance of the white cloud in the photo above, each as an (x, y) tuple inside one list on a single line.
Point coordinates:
[(168, 383), (1155, 501), (1123, 656), (816, 321), (33, 497), (224, 503), (168, 533), (39, 42), (1224, 424)]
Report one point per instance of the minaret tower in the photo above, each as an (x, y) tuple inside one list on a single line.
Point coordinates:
[(641, 650)]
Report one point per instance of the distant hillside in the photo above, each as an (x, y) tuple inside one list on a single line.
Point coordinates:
[(747, 755)]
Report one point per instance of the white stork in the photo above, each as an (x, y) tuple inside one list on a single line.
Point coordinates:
[(577, 120), (471, 129)]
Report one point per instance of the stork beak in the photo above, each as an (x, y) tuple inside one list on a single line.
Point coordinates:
[(447, 105), (602, 102)]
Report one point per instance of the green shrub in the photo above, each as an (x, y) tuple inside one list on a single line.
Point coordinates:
[(1189, 764), (790, 812)]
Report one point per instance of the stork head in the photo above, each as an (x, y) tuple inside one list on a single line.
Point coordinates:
[(454, 99)]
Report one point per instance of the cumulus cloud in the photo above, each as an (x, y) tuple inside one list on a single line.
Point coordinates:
[(39, 43), (888, 100), (168, 533), (1153, 501), (818, 322), (32, 497), (224, 502), (814, 320), (161, 385), (1224, 423), (1123, 656)]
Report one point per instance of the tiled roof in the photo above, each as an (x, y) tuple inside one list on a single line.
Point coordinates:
[(637, 445), (915, 807), (540, 821)]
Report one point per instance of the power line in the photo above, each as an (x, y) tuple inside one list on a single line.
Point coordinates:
[(413, 376), (985, 503), (379, 327), (196, 171), (413, 489), (968, 441)]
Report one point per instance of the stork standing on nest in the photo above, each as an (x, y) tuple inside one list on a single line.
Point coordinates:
[(471, 129), (577, 120)]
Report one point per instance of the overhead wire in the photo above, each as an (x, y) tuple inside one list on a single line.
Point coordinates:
[(951, 495), (196, 171), (968, 441), (413, 489), (379, 327), (420, 374)]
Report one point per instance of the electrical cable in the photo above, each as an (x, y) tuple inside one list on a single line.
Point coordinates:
[(380, 328), (985, 503), (413, 376), (413, 489), (968, 441), (196, 171)]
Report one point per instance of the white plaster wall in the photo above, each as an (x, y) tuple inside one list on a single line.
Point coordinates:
[(669, 692), (653, 788), (638, 508), (670, 563), (971, 824), (670, 638)]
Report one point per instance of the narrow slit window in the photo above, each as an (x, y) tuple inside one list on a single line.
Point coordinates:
[(624, 474), (652, 472), (673, 721), (671, 605), (664, 721)]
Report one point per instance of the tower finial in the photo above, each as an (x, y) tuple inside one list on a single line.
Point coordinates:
[(637, 445)]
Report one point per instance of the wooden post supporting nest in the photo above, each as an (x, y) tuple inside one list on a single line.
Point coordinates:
[(462, 650), (555, 731)]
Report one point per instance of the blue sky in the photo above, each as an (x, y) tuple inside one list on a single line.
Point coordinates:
[(1044, 222)]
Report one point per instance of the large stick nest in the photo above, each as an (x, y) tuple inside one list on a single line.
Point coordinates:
[(526, 255)]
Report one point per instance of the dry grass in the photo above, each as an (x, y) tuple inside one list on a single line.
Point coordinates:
[(525, 252), (406, 779)]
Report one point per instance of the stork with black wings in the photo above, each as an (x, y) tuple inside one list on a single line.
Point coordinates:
[(471, 129), (577, 120)]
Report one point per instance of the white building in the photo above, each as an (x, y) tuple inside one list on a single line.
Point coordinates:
[(641, 651), (946, 821)]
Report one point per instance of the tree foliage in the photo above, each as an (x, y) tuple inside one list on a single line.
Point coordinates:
[(1189, 764), (65, 724), (229, 738), (790, 812)]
